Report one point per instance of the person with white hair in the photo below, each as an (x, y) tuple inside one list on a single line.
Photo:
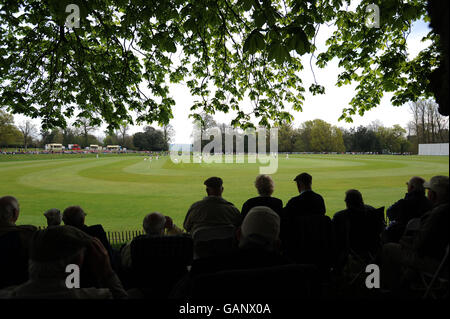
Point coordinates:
[(265, 186), (424, 249), (259, 245), (260, 230), (14, 242)]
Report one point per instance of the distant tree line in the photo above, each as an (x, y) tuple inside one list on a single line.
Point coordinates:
[(319, 136), (26, 135)]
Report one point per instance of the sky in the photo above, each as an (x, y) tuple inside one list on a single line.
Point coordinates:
[(327, 107)]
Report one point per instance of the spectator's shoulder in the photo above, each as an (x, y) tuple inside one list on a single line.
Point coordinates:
[(277, 200), (293, 200), (317, 195), (27, 228), (340, 215), (197, 204), (98, 228), (224, 201)]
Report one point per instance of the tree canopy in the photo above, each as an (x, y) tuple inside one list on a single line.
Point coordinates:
[(224, 50)]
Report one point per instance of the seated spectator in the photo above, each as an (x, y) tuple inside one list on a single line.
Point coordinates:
[(14, 242), (154, 224), (357, 228), (424, 250), (75, 216), (259, 245), (53, 217), (308, 202), (264, 184), (414, 205), (213, 210), (54, 248)]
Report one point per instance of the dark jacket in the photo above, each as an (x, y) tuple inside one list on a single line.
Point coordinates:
[(433, 235), (14, 253), (271, 202), (307, 203), (357, 229), (414, 205)]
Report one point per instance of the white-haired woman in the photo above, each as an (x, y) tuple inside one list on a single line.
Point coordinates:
[(265, 186)]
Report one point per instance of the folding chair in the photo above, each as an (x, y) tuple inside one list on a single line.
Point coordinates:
[(159, 262), (371, 243), (438, 276), (279, 282), (310, 240)]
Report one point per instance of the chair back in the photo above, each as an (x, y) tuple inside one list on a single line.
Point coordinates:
[(287, 282), (213, 240), (13, 260), (160, 261), (365, 230), (310, 240)]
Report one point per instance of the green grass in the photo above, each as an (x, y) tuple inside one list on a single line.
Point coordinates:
[(117, 191)]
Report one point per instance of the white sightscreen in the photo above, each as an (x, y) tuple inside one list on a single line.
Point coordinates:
[(433, 149)]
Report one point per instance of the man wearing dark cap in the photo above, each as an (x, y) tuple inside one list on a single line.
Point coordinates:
[(213, 210), (51, 252), (308, 202)]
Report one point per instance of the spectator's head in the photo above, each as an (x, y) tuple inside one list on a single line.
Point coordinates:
[(438, 189), (214, 186), (415, 184), (264, 184), (53, 216), (353, 199), (74, 216), (52, 249), (9, 210), (154, 224), (304, 181), (260, 228)]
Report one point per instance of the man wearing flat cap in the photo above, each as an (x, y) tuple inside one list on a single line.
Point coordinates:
[(308, 202), (213, 210), (424, 249), (51, 251)]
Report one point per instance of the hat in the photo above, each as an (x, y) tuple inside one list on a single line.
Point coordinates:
[(305, 178), (214, 182), (438, 184), (57, 242), (261, 221)]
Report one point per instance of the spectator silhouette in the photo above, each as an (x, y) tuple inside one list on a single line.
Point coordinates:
[(163, 250), (51, 251), (413, 205), (213, 210), (75, 216), (154, 224), (308, 202), (14, 242), (53, 217), (357, 228), (265, 186), (425, 248), (259, 245)]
